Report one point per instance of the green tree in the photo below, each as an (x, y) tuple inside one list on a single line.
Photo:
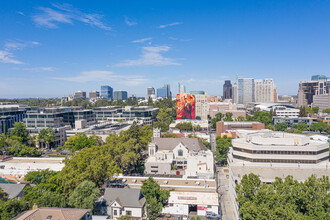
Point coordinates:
[(263, 117), (218, 117), (20, 132), (281, 126), (80, 141), (319, 126), (155, 197), (326, 110), (46, 136), (240, 118), (223, 145), (315, 109), (270, 127), (185, 126), (153, 208), (3, 196), (11, 208), (302, 127), (283, 199), (228, 116), (84, 195), (94, 164)]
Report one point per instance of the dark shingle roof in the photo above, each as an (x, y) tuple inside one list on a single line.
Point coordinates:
[(12, 190), (171, 143), (127, 197)]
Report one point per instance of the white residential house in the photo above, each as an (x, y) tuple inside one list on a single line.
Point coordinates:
[(124, 201), (179, 156)]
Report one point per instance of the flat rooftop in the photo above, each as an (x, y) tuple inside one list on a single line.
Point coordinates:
[(193, 198), (23, 165), (208, 185)]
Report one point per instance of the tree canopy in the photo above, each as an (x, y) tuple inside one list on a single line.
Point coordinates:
[(223, 145), (284, 199), (155, 197)]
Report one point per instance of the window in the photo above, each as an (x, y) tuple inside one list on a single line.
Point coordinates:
[(115, 212), (180, 153), (128, 212)]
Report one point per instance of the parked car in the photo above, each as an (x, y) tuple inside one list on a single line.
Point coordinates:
[(211, 215), (185, 217), (179, 217)]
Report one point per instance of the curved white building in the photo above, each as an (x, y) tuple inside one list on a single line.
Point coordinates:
[(279, 147), (271, 154)]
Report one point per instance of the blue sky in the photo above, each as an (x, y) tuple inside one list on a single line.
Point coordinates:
[(51, 49)]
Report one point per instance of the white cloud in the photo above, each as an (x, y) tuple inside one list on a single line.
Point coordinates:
[(65, 13), (151, 56), (128, 22), (21, 13), (40, 69), (169, 25), (142, 40), (104, 75), (19, 44), (182, 40), (7, 57)]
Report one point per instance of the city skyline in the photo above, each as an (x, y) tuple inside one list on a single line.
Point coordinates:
[(55, 49)]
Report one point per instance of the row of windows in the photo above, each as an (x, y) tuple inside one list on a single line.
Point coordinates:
[(281, 152), (280, 160)]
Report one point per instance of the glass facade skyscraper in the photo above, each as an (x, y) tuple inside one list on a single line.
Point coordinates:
[(107, 92), (164, 92), (120, 95)]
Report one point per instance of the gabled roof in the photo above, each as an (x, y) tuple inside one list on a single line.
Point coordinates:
[(52, 214), (127, 197), (12, 190), (171, 143)]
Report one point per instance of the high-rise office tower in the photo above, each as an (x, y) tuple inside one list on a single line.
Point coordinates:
[(227, 90), (164, 92), (107, 92), (150, 92), (94, 95), (181, 88), (264, 90), (80, 94), (120, 95), (245, 90), (307, 89)]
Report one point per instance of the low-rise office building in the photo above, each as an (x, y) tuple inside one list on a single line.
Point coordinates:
[(223, 126), (271, 154), (183, 203), (321, 101), (147, 114), (291, 121), (9, 115)]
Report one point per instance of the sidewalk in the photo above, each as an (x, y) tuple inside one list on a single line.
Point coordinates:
[(227, 205)]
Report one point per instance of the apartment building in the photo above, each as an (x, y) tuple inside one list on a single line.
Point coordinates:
[(201, 105), (265, 90)]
